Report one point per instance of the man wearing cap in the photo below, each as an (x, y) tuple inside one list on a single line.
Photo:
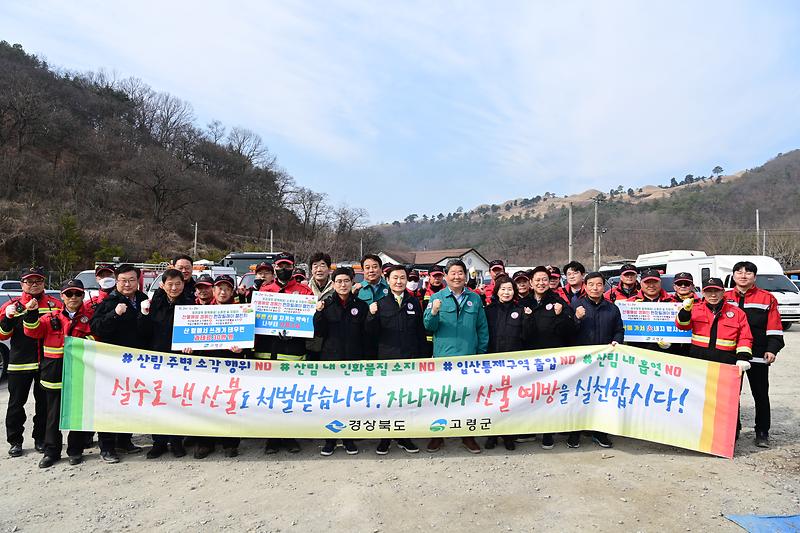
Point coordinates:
[(264, 275), (496, 266), (575, 287), (720, 331), (761, 309), (115, 321), (598, 321), (627, 286), (523, 283), (300, 276), (683, 283), (435, 284), (321, 285), (458, 322), (204, 290), (104, 275), (52, 329), (23, 361), (555, 282), (651, 292), (413, 286), (282, 347)]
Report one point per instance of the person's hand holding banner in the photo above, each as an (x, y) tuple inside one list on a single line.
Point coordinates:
[(743, 366)]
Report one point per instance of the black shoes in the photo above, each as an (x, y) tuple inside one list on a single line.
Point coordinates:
[(129, 448), (231, 452), (178, 450), (272, 446), (491, 443), (508, 442), (547, 441), (48, 461), (383, 446), (75, 460), (292, 446), (602, 439), (574, 440), (762, 439), (328, 448), (350, 447), (15, 450), (201, 452), (156, 451), (407, 445), (111, 457), (39, 446)]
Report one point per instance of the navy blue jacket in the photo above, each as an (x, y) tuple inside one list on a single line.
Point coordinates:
[(601, 324)]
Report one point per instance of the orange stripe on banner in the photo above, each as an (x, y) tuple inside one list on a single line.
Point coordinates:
[(727, 411), (710, 408)]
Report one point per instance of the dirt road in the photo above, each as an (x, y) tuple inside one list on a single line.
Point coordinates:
[(636, 486)]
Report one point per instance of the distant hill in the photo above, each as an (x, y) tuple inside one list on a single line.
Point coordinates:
[(715, 214), (93, 167)]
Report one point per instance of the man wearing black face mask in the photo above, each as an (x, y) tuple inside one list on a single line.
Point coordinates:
[(281, 347)]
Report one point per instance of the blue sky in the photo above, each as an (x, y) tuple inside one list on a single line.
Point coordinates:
[(427, 106)]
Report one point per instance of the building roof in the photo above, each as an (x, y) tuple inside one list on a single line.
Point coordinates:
[(430, 257)]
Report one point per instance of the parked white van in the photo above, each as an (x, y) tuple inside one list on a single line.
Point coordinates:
[(770, 277)]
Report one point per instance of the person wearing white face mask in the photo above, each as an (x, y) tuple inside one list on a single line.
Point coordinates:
[(413, 286), (104, 275)]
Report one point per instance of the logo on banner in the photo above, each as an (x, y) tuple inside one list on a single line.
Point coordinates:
[(439, 425), (336, 426)]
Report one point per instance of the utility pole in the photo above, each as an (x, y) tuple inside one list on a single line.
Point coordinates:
[(569, 246), (758, 233), (194, 248), (270, 241), (361, 248), (764, 244), (595, 243)]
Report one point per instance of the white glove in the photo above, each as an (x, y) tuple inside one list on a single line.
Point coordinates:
[(145, 306), (688, 303), (11, 311), (664, 344), (744, 366)]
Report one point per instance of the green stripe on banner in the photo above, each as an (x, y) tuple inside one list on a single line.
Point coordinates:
[(72, 391)]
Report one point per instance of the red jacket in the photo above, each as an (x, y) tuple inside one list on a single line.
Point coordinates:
[(488, 292), (291, 287), (618, 292), (640, 297), (53, 338), (732, 339), (25, 352), (761, 309), (561, 293)]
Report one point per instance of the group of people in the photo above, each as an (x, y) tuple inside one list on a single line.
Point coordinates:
[(388, 315)]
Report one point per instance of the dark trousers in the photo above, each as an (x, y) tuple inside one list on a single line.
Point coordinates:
[(19, 386), (758, 377), (163, 440), (109, 441), (52, 436), (227, 443)]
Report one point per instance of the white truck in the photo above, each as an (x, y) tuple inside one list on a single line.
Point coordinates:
[(770, 277)]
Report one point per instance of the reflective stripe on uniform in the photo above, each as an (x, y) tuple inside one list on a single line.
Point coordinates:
[(262, 355), (726, 343), (749, 305), (775, 332), (50, 385), (31, 325), (4, 332), (744, 349), (429, 338), (682, 323), (54, 349), (21, 367), (700, 338), (290, 357)]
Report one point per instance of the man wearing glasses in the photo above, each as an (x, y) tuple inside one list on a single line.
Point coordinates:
[(23, 364), (115, 322)]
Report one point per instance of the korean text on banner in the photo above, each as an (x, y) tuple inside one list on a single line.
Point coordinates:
[(213, 327), (623, 390), (652, 322), (291, 315)]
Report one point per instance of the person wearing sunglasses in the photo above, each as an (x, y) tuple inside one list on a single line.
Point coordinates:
[(23, 363), (52, 330)]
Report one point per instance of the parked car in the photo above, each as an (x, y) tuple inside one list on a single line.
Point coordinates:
[(10, 285)]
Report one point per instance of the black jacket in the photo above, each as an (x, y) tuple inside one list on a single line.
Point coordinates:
[(123, 330), (601, 324), (156, 326), (550, 330), (509, 327), (342, 328), (398, 328)]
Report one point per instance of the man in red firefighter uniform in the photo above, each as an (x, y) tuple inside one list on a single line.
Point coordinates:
[(683, 283), (23, 362), (496, 267), (435, 284), (282, 347), (627, 287), (761, 309), (555, 282), (52, 329), (651, 291), (719, 330)]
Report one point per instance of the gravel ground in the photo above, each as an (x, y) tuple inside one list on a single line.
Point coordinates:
[(635, 486)]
